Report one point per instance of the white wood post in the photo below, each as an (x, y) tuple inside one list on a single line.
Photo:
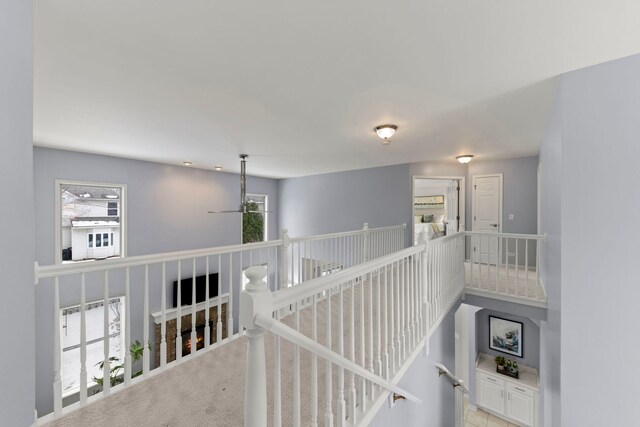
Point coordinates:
[(365, 242), (424, 240), (255, 298), (284, 272)]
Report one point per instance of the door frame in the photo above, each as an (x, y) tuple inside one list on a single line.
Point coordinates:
[(473, 199), (461, 198)]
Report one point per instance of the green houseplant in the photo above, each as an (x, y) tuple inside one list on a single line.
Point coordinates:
[(252, 224), (136, 350), (500, 361)]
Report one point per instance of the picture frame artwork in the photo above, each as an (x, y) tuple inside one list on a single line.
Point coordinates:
[(506, 336)]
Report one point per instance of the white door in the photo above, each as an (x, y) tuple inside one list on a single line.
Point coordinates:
[(487, 217), (492, 394), (520, 405)]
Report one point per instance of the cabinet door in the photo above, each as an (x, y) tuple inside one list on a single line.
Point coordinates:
[(492, 394), (520, 405)]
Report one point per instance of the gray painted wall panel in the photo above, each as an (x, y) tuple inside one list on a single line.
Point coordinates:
[(343, 201), (600, 292), (17, 352)]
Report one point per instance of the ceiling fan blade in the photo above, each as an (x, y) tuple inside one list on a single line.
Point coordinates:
[(217, 212)]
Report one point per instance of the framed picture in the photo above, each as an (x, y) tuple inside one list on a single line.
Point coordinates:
[(506, 336)]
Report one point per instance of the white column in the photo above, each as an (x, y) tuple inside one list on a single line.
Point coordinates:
[(252, 301)]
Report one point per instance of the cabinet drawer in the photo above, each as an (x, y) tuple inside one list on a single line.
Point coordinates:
[(519, 389), (491, 378)]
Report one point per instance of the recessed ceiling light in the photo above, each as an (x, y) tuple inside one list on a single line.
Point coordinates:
[(385, 132), (217, 168), (187, 163), (465, 158)]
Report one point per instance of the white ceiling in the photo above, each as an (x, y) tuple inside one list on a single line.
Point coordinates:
[(299, 85)]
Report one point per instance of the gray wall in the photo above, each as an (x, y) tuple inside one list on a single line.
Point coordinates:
[(166, 211), (550, 268), (600, 150), (531, 337), (438, 401), (17, 388), (520, 192), (343, 201)]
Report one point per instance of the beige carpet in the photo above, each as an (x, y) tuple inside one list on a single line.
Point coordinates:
[(209, 390)]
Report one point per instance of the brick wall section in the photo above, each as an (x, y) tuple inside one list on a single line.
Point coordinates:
[(186, 327)]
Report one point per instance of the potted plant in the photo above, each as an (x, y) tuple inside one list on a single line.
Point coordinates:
[(115, 375), (500, 362)]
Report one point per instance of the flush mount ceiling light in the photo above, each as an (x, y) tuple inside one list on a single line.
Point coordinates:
[(217, 168), (187, 163), (465, 158), (385, 132)]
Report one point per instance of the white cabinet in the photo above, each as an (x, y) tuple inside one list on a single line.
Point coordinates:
[(511, 399), (520, 404), (491, 393)]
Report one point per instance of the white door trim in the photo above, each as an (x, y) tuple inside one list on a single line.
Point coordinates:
[(461, 198), (473, 199)]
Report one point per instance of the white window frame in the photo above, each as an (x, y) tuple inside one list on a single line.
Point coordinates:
[(123, 340), (122, 211)]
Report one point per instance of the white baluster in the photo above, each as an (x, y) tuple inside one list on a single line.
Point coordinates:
[(370, 329), (194, 334), (385, 305), (314, 362), (517, 265), (57, 351), (146, 354), (328, 415), (163, 319), (230, 302), (378, 333), (341, 406), (363, 351), (83, 340), (207, 307), (296, 372), (219, 324), (127, 328), (179, 314), (106, 370), (352, 355), (365, 242), (277, 382), (526, 267)]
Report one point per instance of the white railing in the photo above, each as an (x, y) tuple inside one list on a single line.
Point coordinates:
[(505, 264), (212, 280), (367, 323), (311, 257)]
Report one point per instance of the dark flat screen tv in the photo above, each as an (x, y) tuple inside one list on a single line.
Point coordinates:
[(186, 286)]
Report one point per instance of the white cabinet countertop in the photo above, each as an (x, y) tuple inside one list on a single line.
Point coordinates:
[(528, 376)]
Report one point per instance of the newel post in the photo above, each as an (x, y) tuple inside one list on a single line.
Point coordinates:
[(284, 265), (365, 242), (254, 299)]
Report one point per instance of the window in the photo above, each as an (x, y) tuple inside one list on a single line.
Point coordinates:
[(90, 221), (254, 224), (112, 208), (70, 340)]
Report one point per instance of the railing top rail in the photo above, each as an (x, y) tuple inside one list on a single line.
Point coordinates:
[(510, 235), (345, 233), (118, 263), (287, 296)]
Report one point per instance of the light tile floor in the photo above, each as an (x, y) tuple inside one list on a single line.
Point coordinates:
[(480, 418)]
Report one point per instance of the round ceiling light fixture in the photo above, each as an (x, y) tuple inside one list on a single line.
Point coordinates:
[(217, 168), (187, 163), (385, 132), (465, 158)]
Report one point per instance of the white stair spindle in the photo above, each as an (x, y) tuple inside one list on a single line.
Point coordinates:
[(341, 414), (296, 371), (146, 353), (314, 362), (106, 369), (526, 268), (219, 285), (83, 340), (385, 322), (378, 334), (207, 305), (277, 382), (517, 265), (230, 303), (363, 350), (194, 334), (179, 314), (369, 327), (57, 350), (163, 319), (328, 415), (352, 355), (127, 328)]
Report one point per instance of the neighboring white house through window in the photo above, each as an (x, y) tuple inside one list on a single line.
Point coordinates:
[(90, 221), (70, 319), (261, 201)]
